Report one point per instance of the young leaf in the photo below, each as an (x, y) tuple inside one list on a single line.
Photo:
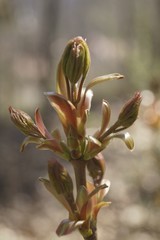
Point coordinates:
[(52, 145), (93, 148), (97, 80), (28, 140), (61, 81), (53, 191), (56, 134), (67, 226), (40, 125), (98, 207), (65, 110), (82, 197), (126, 138), (106, 113)]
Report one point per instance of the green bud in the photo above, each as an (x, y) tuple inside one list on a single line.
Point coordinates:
[(60, 178), (76, 60), (129, 112), (24, 123)]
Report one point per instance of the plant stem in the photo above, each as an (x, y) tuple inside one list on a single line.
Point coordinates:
[(79, 166), (112, 129), (80, 172), (92, 237)]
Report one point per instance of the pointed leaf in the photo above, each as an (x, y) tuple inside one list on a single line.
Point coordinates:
[(93, 148), (65, 110), (67, 226), (103, 192), (86, 210), (60, 178), (97, 80), (92, 141), (65, 150), (90, 187), (61, 81), (81, 121), (85, 102), (127, 139), (97, 189), (56, 134), (106, 113), (28, 140), (64, 226), (53, 191), (40, 125), (98, 207), (83, 109), (52, 145)]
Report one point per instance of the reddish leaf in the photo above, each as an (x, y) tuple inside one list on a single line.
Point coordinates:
[(98, 207), (40, 125), (86, 210), (51, 145), (65, 110), (56, 134)]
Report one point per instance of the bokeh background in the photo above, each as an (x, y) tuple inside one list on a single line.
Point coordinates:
[(123, 37)]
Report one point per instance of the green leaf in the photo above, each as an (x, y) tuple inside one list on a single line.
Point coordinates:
[(53, 191), (50, 144), (28, 140), (82, 197), (126, 138), (61, 81), (97, 189), (97, 80), (93, 148), (106, 113), (103, 191)]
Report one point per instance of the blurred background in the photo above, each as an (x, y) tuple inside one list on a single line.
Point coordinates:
[(123, 37)]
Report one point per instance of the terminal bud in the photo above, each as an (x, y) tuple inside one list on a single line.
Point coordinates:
[(76, 60)]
